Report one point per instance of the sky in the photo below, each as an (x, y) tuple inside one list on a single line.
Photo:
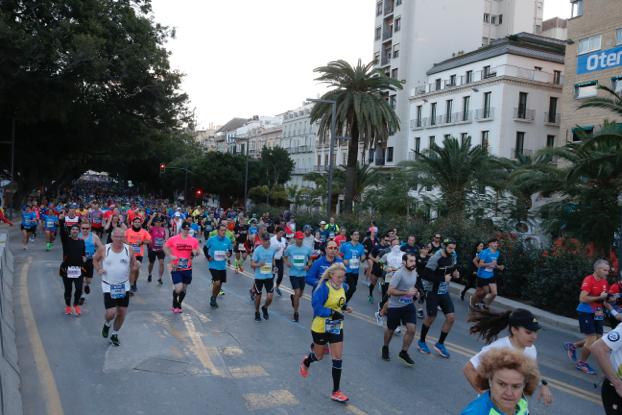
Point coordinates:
[(256, 57)]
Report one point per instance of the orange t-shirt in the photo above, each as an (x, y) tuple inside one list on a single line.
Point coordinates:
[(136, 240)]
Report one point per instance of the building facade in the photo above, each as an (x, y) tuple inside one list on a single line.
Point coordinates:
[(593, 58), (412, 35), (556, 28), (504, 96), (299, 139)]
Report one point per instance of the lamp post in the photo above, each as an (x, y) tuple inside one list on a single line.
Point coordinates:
[(333, 127)]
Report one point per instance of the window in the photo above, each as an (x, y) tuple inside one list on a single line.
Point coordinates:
[(398, 2), (379, 8), (586, 89), (522, 105), (619, 37), (452, 80), (500, 19), (557, 77), (378, 32), (552, 110), (389, 154), (589, 44), (486, 18), (463, 138), (437, 84), (446, 136), (520, 143), (417, 146), (577, 8), (486, 109), (431, 141), (319, 160), (469, 77), (372, 151), (397, 25), (580, 133), (616, 84), (433, 113), (396, 50), (419, 109), (392, 101), (485, 139), (466, 101), (493, 19), (394, 73), (487, 72), (448, 107), (550, 141), (326, 159)]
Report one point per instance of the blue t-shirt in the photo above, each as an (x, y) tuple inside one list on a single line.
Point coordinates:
[(317, 269), (487, 256), (298, 256), (483, 405), (50, 222), (29, 220), (217, 249), (262, 254), (352, 253)]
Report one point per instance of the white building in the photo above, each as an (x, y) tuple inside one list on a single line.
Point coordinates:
[(412, 35), (505, 96), (556, 28), (299, 139), (256, 133)]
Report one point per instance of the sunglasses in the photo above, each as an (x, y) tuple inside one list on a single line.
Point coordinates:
[(85, 229)]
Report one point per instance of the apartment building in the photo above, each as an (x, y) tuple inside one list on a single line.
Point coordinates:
[(256, 133), (555, 27), (504, 96), (593, 58), (299, 139), (412, 35)]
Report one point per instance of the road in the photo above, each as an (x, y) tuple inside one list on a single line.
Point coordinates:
[(221, 361)]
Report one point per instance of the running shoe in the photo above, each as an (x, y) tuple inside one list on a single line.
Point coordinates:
[(222, 292), (149, 278), (379, 318), (405, 358), (338, 396), (134, 288), (114, 339), (257, 317), (303, 369), (571, 350), (76, 309), (213, 303), (585, 368), (423, 347), (81, 302), (160, 281), (370, 299), (420, 313), (87, 289), (398, 331), (296, 317), (67, 310), (441, 350), (278, 291), (105, 331), (385, 353), (264, 311)]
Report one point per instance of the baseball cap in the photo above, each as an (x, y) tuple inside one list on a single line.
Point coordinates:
[(524, 318), (299, 235), (185, 225), (323, 222)]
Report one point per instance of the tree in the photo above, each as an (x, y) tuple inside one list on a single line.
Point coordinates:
[(363, 112), (276, 166)]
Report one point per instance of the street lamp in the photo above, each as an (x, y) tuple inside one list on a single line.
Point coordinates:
[(333, 127)]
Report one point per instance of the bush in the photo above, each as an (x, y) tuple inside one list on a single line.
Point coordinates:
[(519, 261)]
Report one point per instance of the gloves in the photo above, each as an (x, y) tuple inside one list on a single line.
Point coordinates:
[(336, 316)]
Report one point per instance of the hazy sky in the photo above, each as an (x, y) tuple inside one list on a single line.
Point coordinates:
[(256, 57)]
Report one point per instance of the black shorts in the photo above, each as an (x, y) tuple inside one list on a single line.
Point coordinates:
[(267, 283), (218, 274), (397, 316), (433, 301), (589, 325), (155, 254), (484, 282), (297, 283), (29, 230), (88, 267), (612, 402), (110, 302), (139, 258), (323, 338)]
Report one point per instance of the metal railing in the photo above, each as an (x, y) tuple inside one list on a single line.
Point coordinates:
[(524, 114), (552, 119), (521, 151), (485, 114), (387, 33), (389, 6)]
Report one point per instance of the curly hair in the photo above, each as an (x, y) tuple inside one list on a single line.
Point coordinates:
[(506, 358)]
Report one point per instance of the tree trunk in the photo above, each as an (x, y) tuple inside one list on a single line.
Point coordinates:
[(353, 147)]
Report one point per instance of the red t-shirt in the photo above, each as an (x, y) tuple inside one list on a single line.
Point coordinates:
[(594, 288), (340, 239)]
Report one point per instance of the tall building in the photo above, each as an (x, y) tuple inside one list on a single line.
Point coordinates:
[(299, 139), (412, 35), (504, 96), (593, 57), (555, 27)]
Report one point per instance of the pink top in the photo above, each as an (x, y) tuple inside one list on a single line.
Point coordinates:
[(182, 248)]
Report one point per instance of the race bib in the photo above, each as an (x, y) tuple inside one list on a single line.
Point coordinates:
[(74, 272), (406, 299), (136, 248), (158, 242), (443, 288), (599, 313), (265, 269), (182, 263), (488, 269), (298, 261), (220, 255), (331, 235), (117, 291), (49, 224), (354, 263), (332, 326), (241, 247)]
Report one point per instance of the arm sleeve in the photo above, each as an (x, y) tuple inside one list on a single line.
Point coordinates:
[(319, 298)]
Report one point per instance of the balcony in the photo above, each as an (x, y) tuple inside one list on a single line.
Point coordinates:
[(389, 6), (387, 34), (524, 115), (385, 59), (516, 152), (417, 124), (463, 117), (485, 114), (552, 119)]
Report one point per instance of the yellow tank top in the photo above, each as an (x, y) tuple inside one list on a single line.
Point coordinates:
[(336, 298)]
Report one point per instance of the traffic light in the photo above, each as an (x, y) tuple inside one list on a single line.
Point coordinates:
[(162, 168), (198, 193)]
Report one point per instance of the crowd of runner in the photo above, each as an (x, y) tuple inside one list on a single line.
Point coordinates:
[(407, 281)]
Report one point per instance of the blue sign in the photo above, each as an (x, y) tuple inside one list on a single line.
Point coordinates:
[(600, 60)]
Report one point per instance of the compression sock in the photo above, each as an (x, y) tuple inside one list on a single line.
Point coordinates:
[(371, 289), (336, 374), (424, 332), (175, 300), (181, 297), (310, 359), (441, 339)]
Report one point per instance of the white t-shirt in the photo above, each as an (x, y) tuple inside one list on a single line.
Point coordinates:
[(613, 340), (503, 342), (279, 246)]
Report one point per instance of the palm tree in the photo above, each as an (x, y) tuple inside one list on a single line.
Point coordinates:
[(363, 112), (612, 103)]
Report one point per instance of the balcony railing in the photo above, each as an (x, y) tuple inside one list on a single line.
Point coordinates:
[(484, 114), (416, 124), (385, 59), (516, 152), (552, 119), (389, 5), (387, 34), (524, 115)]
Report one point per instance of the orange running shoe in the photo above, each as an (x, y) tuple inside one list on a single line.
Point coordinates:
[(304, 370), (76, 309), (67, 310), (339, 397)]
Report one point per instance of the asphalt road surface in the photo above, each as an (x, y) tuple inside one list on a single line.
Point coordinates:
[(221, 361)]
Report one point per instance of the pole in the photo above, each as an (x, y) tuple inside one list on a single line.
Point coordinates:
[(333, 127), (246, 177)]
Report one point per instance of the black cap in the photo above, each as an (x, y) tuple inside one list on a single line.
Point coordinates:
[(524, 318), (185, 225)]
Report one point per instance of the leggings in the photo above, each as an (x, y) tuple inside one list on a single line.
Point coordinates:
[(68, 283), (351, 280), (385, 297), (611, 401), (279, 265)]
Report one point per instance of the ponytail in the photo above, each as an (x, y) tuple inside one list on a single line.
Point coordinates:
[(331, 270), (488, 325)]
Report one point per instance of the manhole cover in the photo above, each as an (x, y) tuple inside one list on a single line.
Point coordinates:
[(163, 366)]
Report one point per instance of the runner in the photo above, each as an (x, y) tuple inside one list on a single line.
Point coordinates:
[(332, 228), (353, 253), (523, 328), (341, 238), (217, 249), (439, 271), (74, 257), (262, 262), (471, 276), (156, 247), (96, 218), (29, 225), (322, 263), (591, 314), (114, 262), (436, 243), (401, 307), (91, 244), (410, 247), (608, 353), (309, 239), (392, 261), (136, 237), (422, 260), (278, 243), (376, 272), (50, 226), (114, 221), (241, 244), (298, 260), (486, 280), (327, 328), (181, 249)]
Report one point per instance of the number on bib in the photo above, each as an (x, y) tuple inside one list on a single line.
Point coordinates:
[(74, 272), (266, 269), (332, 326), (220, 255), (117, 291)]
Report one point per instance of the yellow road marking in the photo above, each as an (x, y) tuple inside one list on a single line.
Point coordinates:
[(48, 383), (464, 351), (247, 372), (355, 410), (201, 351), (258, 401)]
